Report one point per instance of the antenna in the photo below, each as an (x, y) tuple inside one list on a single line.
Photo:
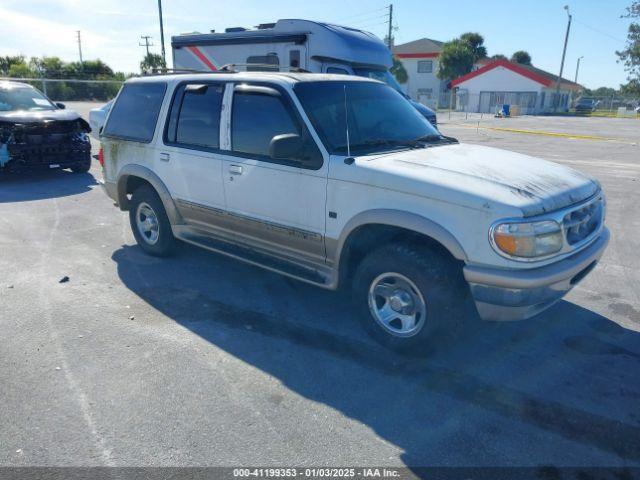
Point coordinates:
[(346, 119)]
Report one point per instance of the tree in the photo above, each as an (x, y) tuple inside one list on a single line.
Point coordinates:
[(631, 89), (399, 71), (460, 54), (630, 56), (498, 56), (456, 59), (521, 57), (152, 62), (475, 41), (8, 61)]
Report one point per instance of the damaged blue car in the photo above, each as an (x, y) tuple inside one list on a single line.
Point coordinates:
[(36, 133)]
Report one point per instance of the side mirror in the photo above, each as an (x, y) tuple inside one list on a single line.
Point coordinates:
[(287, 146), (61, 106)]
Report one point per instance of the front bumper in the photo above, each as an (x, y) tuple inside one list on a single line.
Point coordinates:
[(518, 294), (24, 157)]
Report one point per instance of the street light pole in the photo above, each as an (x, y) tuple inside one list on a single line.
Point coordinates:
[(564, 52), (575, 80), (164, 59)]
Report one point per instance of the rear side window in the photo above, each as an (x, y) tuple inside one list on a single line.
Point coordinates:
[(195, 116), (256, 119), (135, 112)]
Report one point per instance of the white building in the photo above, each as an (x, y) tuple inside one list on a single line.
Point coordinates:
[(500, 82), (420, 60)]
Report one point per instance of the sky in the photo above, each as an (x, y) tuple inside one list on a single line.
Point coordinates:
[(111, 29)]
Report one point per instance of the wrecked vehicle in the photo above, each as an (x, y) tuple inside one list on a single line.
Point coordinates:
[(338, 181), (36, 133)]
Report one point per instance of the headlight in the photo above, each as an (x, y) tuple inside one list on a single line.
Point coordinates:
[(528, 240)]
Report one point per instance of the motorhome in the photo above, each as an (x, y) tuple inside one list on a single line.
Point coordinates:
[(316, 47)]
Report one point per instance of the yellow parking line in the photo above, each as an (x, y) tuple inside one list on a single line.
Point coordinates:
[(550, 134)]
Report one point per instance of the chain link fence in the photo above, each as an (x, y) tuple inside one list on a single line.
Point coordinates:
[(531, 103), (58, 89)]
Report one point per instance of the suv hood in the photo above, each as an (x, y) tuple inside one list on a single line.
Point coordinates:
[(481, 177)]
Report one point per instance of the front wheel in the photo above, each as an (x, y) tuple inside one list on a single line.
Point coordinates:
[(150, 223), (407, 297), (82, 167)]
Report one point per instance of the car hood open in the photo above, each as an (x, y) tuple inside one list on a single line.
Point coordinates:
[(480, 177)]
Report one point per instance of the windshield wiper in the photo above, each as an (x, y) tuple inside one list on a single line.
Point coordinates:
[(372, 144), (435, 138)]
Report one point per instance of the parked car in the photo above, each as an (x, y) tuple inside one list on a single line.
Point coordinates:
[(586, 105), (97, 117), (316, 47), (338, 181), (36, 133)]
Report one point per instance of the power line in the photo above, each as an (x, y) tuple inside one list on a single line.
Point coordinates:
[(600, 31), (369, 12), (368, 19)]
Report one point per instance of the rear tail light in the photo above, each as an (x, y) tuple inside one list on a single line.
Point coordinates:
[(101, 157)]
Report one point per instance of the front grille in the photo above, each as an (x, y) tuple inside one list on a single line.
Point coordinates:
[(583, 222)]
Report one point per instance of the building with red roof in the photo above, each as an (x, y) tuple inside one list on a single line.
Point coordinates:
[(499, 82)]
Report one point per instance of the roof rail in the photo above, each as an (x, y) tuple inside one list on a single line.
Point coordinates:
[(173, 71), (268, 67)]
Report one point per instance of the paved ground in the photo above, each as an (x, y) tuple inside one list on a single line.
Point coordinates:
[(200, 360)]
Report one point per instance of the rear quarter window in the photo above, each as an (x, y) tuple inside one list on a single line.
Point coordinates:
[(135, 113)]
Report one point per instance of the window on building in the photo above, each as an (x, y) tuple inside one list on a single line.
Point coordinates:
[(426, 93), (425, 66)]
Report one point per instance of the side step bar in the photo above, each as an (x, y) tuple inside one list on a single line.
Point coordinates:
[(252, 256)]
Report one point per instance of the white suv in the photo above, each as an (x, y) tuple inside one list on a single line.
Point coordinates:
[(339, 181)]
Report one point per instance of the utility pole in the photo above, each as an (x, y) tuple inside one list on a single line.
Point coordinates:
[(389, 38), (146, 42), (164, 59), (575, 80), (564, 52), (80, 49)]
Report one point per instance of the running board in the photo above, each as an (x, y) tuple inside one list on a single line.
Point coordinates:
[(252, 256)]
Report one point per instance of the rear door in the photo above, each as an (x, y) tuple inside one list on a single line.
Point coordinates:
[(190, 162), (277, 204)]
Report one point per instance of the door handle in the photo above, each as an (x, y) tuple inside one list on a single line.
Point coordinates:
[(235, 169), (165, 157)]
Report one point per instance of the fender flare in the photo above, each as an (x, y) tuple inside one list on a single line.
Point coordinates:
[(401, 219), (135, 170)]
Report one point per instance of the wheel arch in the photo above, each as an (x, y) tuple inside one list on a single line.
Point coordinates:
[(366, 229), (131, 176)]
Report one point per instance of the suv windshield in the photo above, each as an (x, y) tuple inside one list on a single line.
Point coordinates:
[(381, 75), (23, 98), (379, 118)]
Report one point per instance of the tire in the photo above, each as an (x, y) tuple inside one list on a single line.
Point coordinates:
[(414, 282), (149, 222), (83, 167)]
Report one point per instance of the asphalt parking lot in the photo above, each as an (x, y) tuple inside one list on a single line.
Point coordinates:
[(201, 360)]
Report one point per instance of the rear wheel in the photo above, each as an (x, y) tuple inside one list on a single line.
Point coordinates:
[(150, 223), (407, 297)]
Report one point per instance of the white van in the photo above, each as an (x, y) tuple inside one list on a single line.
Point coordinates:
[(292, 44)]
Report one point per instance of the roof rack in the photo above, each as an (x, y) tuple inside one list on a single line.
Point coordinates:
[(173, 71)]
